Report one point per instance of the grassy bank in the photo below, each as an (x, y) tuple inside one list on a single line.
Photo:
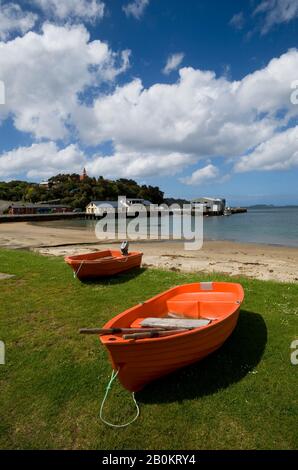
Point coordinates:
[(243, 396)]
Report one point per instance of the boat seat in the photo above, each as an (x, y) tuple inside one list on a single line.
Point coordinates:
[(205, 296), (175, 322), (187, 308)]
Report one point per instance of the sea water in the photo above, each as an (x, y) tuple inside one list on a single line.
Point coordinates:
[(274, 226)]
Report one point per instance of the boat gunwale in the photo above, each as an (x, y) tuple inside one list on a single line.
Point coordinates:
[(146, 341), (73, 260), (216, 322)]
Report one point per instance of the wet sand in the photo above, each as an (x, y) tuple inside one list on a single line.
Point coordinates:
[(265, 262)]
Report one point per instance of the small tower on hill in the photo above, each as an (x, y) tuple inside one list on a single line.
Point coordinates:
[(84, 175)]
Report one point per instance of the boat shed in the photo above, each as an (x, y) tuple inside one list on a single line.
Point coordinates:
[(211, 206)]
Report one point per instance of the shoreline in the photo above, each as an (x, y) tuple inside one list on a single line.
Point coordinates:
[(259, 261), (90, 228)]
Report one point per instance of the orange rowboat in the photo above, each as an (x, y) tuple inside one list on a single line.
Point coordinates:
[(141, 361), (103, 263)]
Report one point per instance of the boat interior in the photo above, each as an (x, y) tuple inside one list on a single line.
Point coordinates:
[(212, 301), (101, 255)]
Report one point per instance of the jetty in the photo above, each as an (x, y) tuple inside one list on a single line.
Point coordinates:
[(41, 217), (28, 212), (238, 210)]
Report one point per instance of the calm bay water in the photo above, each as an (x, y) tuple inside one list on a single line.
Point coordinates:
[(277, 226)]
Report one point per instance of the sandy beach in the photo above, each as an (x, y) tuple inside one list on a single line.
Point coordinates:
[(256, 261)]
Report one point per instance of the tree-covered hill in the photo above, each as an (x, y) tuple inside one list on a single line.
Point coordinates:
[(68, 189)]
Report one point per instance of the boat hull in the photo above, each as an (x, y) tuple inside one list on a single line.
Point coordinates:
[(140, 362), (103, 263)]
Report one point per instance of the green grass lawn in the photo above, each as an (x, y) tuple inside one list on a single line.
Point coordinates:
[(243, 396)]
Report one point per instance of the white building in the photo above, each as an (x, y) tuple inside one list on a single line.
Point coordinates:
[(128, 205), (134, 205), (44, 184), (210, 205), (101, 207)]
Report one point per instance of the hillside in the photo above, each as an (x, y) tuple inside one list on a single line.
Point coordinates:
[(68, 189)]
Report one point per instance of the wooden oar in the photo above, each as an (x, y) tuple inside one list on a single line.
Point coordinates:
[(115, 331), (153, 334)]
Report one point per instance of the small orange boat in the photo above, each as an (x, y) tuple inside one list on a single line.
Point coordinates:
[(103, 263), (138, 362)]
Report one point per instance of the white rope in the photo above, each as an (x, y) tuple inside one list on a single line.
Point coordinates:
[(113, 377), (75, 273), (122, 260)]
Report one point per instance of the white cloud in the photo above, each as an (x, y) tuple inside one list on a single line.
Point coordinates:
[(45, 73), (237, 21), (14, 20), (157, 130), (276, 12), (85, 10), (138, 164), (173, 62), (269, 90), (278, 153), (200, 114), (202, 176), (136, 8), (41, 160)]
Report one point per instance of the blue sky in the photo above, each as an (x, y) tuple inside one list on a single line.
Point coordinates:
[(193, 96)]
